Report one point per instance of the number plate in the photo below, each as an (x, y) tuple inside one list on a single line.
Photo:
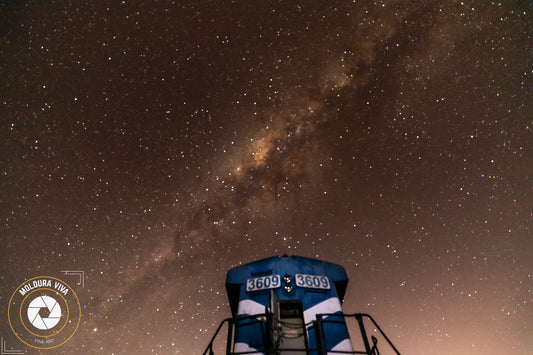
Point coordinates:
[(263, 283), (312, 281)]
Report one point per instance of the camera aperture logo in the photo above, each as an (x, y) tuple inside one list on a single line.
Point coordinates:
[(44, 312)]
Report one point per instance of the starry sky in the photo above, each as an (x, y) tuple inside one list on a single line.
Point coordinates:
[(156, 144)]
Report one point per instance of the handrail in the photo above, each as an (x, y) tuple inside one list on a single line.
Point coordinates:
[(321, 319), (210, 346), (381, 331), (359, 317)]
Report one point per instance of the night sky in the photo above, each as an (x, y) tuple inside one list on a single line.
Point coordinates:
[(156, 144)]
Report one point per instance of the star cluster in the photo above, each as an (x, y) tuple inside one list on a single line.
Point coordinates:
[(155, 145)]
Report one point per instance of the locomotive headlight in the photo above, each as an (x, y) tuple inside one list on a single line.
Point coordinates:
[(288, 283)]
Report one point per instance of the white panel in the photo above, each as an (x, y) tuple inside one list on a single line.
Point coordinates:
[(344, 345), (250, 307), (244, 348), (331, 305)]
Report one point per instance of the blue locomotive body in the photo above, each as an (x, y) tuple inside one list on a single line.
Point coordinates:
[(291, 305), (295, 290)]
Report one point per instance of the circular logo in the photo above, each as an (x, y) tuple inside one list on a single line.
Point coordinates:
[(44, 312)]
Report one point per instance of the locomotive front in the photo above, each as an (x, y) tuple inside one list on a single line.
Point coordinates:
[(290, 305)]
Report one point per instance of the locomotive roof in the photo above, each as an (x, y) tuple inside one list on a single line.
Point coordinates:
[(237, 276)]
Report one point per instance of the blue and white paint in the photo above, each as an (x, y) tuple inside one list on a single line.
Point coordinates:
[(317, 287)]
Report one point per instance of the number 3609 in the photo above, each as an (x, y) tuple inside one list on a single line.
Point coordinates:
[(312, 281)]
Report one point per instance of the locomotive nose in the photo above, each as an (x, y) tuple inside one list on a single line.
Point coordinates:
[(290, 305)]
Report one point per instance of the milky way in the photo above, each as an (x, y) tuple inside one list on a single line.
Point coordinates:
[(155, 145)]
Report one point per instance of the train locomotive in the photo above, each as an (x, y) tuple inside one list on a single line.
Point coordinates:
[(293, 305)]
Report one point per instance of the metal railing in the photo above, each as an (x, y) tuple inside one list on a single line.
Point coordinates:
[(269, 345)]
